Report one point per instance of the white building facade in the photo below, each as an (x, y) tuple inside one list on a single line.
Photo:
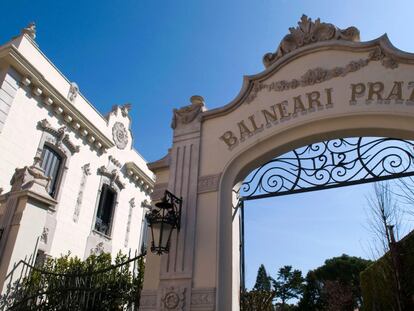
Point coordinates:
[(96, 184)]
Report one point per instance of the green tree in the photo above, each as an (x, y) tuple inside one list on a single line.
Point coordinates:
[(312, 299), (337, 279), (263, 280), (67, 283), (288, 285)]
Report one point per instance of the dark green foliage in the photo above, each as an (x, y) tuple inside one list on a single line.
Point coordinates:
[(68, 283), (288, 285), (262, 280), (336, 281), (256, 300), (378, 284)]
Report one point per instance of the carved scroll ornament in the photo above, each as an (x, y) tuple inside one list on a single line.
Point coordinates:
[(189, 113), (308, 32)]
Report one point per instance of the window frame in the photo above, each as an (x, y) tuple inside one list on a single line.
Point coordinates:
[(61, 170), (112, 213)]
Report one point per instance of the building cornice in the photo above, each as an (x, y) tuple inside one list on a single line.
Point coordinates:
[(139, 177), (163, 163), (53, 100)]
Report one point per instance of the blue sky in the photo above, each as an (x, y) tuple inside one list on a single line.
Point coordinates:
[(156, 54)]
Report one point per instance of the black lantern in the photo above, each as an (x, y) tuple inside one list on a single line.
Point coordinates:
[(163, 219)]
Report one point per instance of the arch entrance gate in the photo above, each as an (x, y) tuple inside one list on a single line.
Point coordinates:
[(321, 87)]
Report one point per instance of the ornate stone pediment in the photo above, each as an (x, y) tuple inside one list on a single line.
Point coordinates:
[(308, 32), (113, 176), (60, 135), (188, 114)]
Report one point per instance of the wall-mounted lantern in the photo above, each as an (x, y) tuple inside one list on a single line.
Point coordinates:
[(162, 220)]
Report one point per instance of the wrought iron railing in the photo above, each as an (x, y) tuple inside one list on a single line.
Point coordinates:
[(114, 288)]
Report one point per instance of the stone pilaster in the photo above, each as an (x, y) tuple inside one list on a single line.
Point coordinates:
[(23, 216), (176, 271)]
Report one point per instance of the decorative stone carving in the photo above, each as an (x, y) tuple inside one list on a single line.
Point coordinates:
[(113, 176), (120, 135), (386, 60), (208, 183), (115, 161), (98, 250), (32, 178), (60, 136), (203, 299), (124, 109), (173, 299), (73, 91), (189, 113), (44, 236), (30, 30), (86, 171), (319, 75), (128, 227), (308, 32)]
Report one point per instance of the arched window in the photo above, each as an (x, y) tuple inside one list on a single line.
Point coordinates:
[(51, 164)]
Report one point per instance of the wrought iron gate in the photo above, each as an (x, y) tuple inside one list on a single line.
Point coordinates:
[(329, 164), (115, 288), (325, 165)]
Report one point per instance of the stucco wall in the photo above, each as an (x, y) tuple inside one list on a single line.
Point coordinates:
[(21, 135)]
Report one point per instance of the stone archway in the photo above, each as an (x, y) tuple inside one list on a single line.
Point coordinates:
[(321, 83)]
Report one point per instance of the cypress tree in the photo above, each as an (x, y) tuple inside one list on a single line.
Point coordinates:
[(262, 280)]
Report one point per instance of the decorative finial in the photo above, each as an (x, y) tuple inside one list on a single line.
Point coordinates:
[(188, 114), (197, 100), (73, 91), (125, 109), (30, 30)]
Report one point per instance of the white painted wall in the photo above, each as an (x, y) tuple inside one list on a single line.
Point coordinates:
[(19, 141)]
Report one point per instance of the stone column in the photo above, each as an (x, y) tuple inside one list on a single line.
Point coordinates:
[(23, 216), (176, 267)]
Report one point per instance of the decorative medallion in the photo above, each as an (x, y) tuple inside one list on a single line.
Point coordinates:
[(171, 300), (174, 299), (120, 135)]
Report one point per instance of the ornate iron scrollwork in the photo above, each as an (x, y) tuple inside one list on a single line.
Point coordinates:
[(329, 164)]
